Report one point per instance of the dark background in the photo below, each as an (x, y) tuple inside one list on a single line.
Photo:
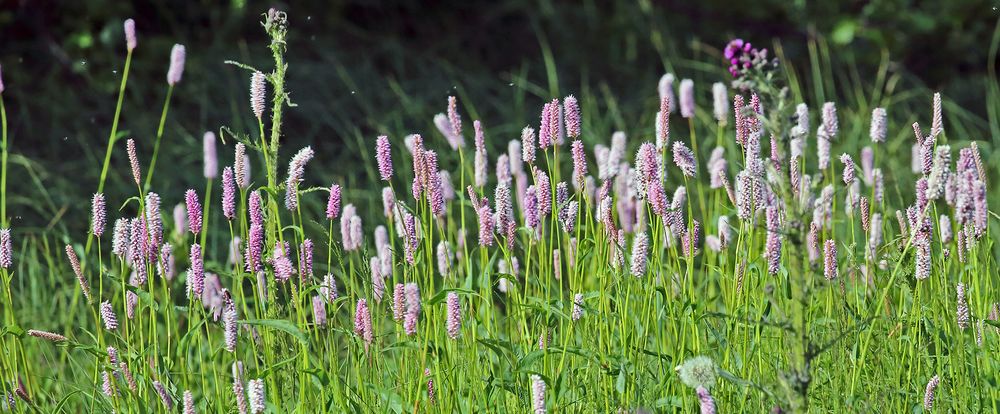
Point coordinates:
[(357, 68)]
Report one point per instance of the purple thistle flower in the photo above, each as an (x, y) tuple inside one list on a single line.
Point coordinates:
[(572, 110), (705, 400), (640, 253), (164, 395), (455, 120), (453, 323), (210, 156), (133, 160), (848, 174), (177, 57), (363, 322), (537, 394), (319, 311), (228, 194), (879, 127), (296, 171), (196, 273), (74, 261), (333, 203), (412, 293), (962, 313), (230, 331), (305, 260), (258, 92), (929, 392), (383, 154), (193, 211), (130, 39), (108, 316), (686, 91), (98, 218)]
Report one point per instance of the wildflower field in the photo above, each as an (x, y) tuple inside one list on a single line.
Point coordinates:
[(733, 248)]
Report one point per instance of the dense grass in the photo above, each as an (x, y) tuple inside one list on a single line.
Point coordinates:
[(787, 337)]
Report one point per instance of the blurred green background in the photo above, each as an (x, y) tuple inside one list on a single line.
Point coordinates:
[(358, 68)]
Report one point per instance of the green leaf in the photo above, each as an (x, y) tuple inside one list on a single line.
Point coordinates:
[(281, 325), (437, 298)]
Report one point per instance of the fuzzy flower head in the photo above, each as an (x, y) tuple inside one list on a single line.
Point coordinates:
[(684, 159), (687, 98), (699, 371), (383, 155), (258, 92), (228, 194), (537, 394), (453, 324), (133, 160), (879, 125), (130, 39), (177, 57), (296, 173), (720, 102), (98, 218), (211, 157), (193, 211), (333, 203), (572, 114)]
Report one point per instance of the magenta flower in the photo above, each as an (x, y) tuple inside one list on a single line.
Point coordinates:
[(485, 225), (705, 400), (177, 56), (544, 192), (548, 127), (255, 248), (412, 293), (193, 211), (363, 322)]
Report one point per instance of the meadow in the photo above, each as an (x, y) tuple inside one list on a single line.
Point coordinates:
[(735, 249)]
